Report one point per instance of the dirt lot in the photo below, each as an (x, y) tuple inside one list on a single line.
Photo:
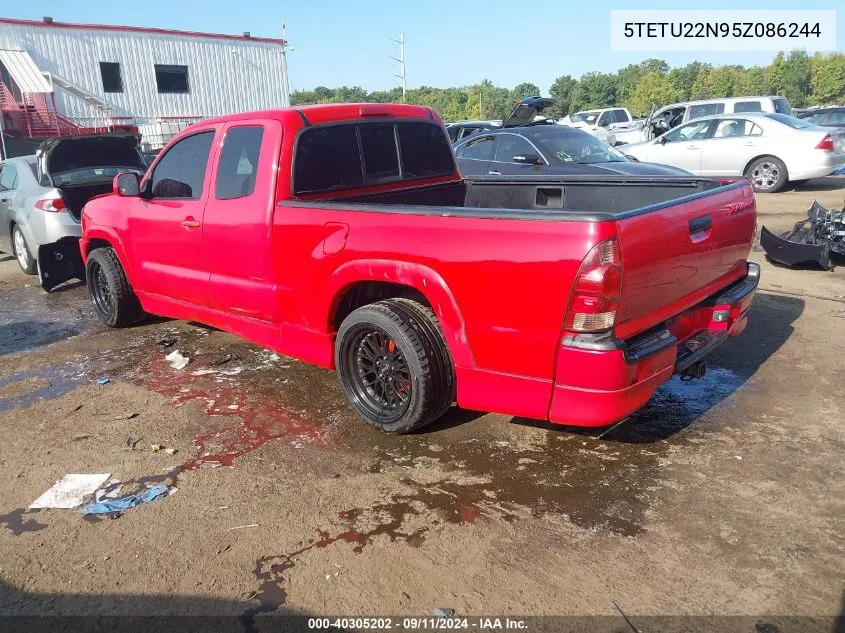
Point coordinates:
[(723, 496)]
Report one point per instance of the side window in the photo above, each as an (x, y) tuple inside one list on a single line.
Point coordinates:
[(8, 177), (479, 148), (238, 162), (620, 116), (378, 149), (782, 106), (453, 132), (706, 109), (327, 158), (605, 119), (181, 171), (736, 127), (836, 118), (510, 145), (748, 106), (689, 132)]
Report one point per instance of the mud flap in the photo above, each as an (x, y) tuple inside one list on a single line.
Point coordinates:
[(59, 262), (791, 253)]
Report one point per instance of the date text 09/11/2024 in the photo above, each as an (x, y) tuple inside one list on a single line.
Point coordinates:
[(417, 624)]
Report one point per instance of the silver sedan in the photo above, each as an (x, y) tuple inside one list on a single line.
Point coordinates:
[(770, 149)]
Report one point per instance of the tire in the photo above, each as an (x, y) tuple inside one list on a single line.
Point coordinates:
[(113, 298), (768, 174), (394, 366), (21, 252)]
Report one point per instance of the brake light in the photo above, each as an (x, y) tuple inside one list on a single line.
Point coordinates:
[(598, 287), (50, 204), (826, 143)]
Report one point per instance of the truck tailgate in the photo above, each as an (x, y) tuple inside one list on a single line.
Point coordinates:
[(676, 254)]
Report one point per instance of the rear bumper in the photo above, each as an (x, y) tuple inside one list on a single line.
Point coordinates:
[(817, 165), (601, 379)]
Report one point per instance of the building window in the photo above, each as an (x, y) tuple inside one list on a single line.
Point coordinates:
[(110, 74), (171, 79)]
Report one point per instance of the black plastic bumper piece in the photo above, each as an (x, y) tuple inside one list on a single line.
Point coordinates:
[(59, 262)]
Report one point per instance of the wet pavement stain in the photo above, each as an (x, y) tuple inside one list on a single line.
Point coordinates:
[(50, 383)]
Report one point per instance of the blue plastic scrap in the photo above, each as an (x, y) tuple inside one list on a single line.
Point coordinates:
[(111, 506), (103, 381)]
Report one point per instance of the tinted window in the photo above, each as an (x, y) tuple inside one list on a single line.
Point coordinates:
[(509, 145), (605, 119), (453, 132), (171, 79), (327, 158), (748, 106), (620, 116), (782, 106), (181, 171), (110, 74), (425, 151), (689, 132), (480, 148), (705, 109), (8, 177), (791, 121), (238, 162), (836, 118), (378, 148)]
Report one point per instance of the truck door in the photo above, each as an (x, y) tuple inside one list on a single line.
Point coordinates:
[(164, 233), (238, 225)]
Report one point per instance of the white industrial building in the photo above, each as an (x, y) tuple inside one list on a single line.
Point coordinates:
[(58, 78)]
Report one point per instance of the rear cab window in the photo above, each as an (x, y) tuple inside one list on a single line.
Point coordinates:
[(348, 155), (706, 109), (748, 106), (236, 169)]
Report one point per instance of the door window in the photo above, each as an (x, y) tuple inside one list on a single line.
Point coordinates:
[(605, 119), (238, 162), (510, 145), (782, 106), (8, 177), (479, 148), (730, 128), (748, 106), (705, 109), (181, 171), (690, 132)]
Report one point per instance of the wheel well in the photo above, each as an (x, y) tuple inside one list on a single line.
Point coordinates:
[(750, 162), (97, 243), (367, 292)]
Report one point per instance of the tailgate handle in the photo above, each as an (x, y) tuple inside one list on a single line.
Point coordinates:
[(696, 225)]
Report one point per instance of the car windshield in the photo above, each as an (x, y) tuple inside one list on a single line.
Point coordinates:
[(584, 117), (563, 145), (791, 121)]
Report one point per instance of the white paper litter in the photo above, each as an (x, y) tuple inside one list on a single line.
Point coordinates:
[(176, 360), (70, 491)]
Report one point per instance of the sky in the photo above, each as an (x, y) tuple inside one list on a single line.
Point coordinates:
[(447, 43)]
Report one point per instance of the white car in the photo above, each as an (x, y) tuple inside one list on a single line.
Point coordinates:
[(601, 123), (769, 148)]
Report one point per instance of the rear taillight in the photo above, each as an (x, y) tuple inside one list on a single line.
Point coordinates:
[(826, 143), (598, 288), (50, 204)]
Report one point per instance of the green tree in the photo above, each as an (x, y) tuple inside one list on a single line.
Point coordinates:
[(525, 90), (627, 78), (699, 86), (828, 78), (755, 82), (561, 91), (791, 76), (494, 102), (653, 89), (719, 83), (684, 77), (595, 90)]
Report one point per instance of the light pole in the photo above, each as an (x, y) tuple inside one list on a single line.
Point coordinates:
[(401, 60)]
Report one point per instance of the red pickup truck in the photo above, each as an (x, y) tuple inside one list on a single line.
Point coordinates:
[(344, 235)]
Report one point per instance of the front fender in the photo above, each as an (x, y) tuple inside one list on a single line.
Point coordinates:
[(93, 234), (418, 276)]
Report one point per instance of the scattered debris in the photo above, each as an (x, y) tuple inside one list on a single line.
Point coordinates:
[(739, 457), (224, 549), (155, 448), (241, 527), (129, 444), (176, 360), (120, 505), (76, 408), (70, 491), (127, 416), (627, 619), (77, 438), (222, 360), (159, 448), (443, 613), (167, 341), (810, 240), (103, 381), (170, 451)]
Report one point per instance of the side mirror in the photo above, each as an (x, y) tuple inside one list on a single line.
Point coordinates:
[(633, 159), (528, 159), (126, 185)]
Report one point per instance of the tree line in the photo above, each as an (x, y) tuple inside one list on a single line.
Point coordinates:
[(804, 80)]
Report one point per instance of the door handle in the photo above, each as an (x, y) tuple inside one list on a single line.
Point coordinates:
[(493, 172), (190, 223)]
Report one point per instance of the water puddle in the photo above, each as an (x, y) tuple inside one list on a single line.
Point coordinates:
[(25, 388)]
